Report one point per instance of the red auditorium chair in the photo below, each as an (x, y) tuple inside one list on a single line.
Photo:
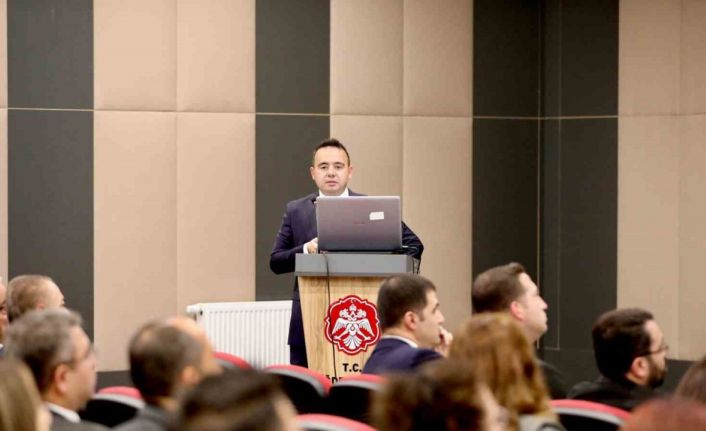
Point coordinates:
[(113, 405), (229, 361), (321, 422), (579, 415), (351, 396), (306, 388)]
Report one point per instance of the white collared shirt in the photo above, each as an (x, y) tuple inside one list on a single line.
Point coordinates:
[(65, 413), (344, 194), (397, 337)]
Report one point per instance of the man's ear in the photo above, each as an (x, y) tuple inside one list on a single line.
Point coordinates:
[(409, 320), (517, 310), (311, 172), (60, 379), (189, 376), (640, 368)]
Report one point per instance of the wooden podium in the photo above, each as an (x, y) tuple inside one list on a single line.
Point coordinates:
[(350, 283)]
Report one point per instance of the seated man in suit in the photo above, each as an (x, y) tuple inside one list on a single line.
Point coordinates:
[(508, 288), (32, 292), (631, 356), (331, 170), (60, 356), (410, 320), (166, 357)]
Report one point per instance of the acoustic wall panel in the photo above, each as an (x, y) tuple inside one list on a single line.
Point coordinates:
[(3, 194), (375, 147), (216, 55), (3, 54), (215, 208), (438, 48), (693, 57), (135, 226), (366, 57), (649, 72), (437, 206), (135, 46)]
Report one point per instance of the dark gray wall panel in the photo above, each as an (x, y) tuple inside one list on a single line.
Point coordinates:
[(550, 63), (505, 189), (50, 53), (550, 240), (505, 58), (50, 190), (589, 55), (588, 223), (292, 56), (283, 156)]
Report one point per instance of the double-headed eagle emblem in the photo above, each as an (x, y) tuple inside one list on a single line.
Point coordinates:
[(355, 324), (352, 319)]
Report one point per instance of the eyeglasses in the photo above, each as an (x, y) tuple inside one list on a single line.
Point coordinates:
[(660, 349)]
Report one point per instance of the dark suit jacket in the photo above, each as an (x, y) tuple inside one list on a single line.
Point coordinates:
[(298, 228), (623, 394), (150, 418), (60, 423), (392, 355), (554, 380)]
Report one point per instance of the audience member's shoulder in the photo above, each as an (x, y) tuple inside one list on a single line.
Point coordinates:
[(422, 356), (554, 380)]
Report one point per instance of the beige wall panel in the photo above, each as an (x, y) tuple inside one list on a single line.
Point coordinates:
[(648, 219), (692, 239), (3, 195), (135, 227), (693, 57), (366, 56), (437, 205), (216, 208), (216, 55), (649, 57), (135, 55), (3, 53), (438, 53), (375, 146)]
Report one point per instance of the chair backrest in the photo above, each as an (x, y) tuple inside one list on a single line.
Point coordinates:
[(322, 422), (351, 396), (579, 415), (306, 388), (231, 361), (112, 406)]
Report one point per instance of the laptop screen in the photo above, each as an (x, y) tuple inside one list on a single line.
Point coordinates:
[(359, 223)]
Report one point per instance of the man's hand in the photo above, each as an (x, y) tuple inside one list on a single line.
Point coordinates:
[(312, 247), (445, 339)]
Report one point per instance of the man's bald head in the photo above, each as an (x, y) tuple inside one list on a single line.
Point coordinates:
[(32, 292)]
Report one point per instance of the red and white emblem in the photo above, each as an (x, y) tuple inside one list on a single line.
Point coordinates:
[(355, 324)]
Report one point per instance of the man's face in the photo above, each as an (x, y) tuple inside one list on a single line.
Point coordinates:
[(428, 329), (3, 310), (657, 358), (331, 170), (52, 296), (81, 377), (534, 309)]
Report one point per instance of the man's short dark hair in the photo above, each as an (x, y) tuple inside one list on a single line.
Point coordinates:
[(620, 336), (333, 142), (159, 351), (237, 400), (398, 295), (496, 288), (42, 340)]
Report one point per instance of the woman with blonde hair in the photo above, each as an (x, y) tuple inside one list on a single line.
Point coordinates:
[(497, 350), (21, 409)]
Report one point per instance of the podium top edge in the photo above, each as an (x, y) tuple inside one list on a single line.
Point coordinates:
[(353, 264)]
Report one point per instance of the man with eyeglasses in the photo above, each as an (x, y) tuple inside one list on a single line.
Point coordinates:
[(631, 355), (61, 358)]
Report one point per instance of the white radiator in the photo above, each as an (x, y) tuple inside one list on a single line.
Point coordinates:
[(256, 331)]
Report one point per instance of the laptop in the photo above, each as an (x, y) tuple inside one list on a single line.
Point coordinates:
[(359, 223)]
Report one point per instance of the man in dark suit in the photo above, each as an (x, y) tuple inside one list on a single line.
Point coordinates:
[(60, 356), (331, 171), (508, 288), (410, 320)]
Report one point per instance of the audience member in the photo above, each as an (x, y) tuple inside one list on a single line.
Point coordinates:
[(166, 357), (693, 384), (237, 400), (443, 396), (3, 316), (495, 348), (410, 321), (60, 356), (21, 409), (508, 288), (32, 292), (667, 414), (631, 356)]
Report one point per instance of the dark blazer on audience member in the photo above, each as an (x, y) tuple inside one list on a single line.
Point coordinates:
[(150, 418), (393, 355), (298, 228), (624, 395), (554, 380), (60, 423)]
